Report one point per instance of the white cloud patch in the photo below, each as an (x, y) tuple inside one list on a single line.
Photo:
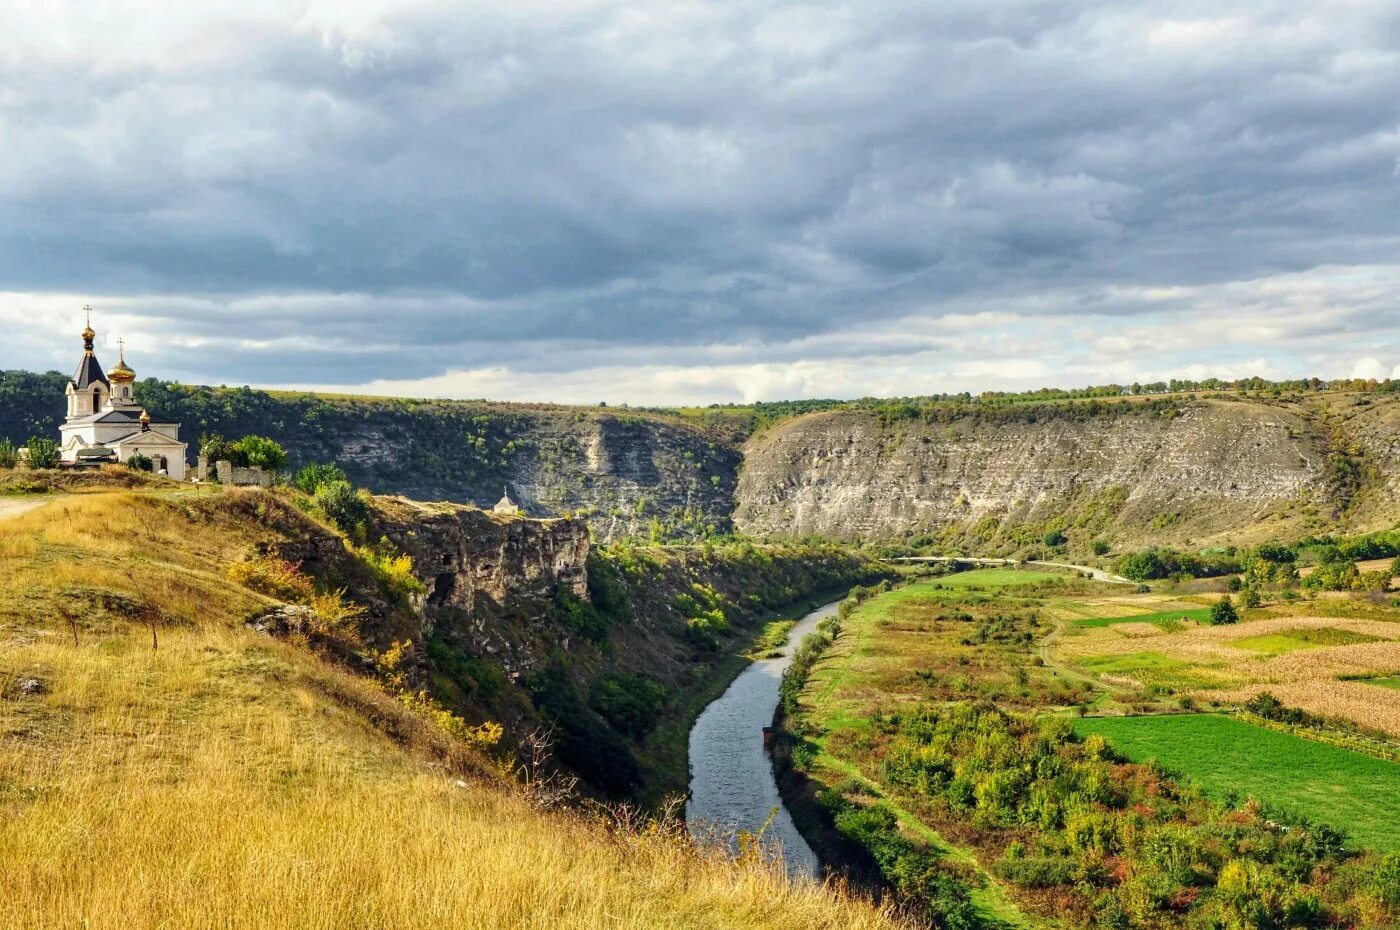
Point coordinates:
[(624, 201)]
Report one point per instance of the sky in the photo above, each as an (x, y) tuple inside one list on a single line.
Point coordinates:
[(682, 202)]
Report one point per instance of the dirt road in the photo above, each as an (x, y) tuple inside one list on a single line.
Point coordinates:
[(13, 507)]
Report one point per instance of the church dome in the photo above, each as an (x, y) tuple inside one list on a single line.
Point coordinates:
[(121, 373)]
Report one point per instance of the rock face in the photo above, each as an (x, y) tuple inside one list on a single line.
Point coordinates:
[(620, 469), (490, 580), (468, 557), (1180, 470)]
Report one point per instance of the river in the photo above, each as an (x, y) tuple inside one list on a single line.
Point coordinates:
[(732, 787)]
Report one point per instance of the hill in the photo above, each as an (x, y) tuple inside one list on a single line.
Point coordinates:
[(163, 763), (993, 476), (1184, 471)]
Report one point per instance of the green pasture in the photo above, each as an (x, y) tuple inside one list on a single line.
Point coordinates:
[(1349, 790)]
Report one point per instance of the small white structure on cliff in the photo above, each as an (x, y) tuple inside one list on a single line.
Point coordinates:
[(507, 506), (105, 422)]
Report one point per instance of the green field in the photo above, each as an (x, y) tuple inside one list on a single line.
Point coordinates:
[(992, 579), (1392, 682), (1274, 644), (1349, 790), (1200, 615), (1154, 668)]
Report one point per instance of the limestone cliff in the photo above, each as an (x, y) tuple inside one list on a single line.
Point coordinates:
[(1168, 471), (494, 580)]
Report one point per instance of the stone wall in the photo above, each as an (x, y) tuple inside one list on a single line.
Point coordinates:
[(239, 477)]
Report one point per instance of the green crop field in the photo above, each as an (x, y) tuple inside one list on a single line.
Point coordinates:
[(1349, 790), (1274, 644), (1392, 682), (995, 578), (1154, 668), (1200, 615)]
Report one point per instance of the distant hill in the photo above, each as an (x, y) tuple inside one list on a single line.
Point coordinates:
[(996, 474)]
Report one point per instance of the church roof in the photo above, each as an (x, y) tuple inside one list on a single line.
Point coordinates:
[(116, 415), (90, 373), (146, 435)]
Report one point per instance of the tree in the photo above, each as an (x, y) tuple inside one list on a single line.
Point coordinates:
[(214, 448), (1100, 547), (262, 452), (1223, 612), (44, 453), (9, 455), (313, 477), (1055, 538), (342, 505), (1250, 598)]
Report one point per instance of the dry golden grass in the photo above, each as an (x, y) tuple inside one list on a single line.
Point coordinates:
[(1213, 642), (228, 780), (1306, 678), (1357, 701)]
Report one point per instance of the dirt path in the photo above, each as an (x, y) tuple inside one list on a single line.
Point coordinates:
[(1045, 648), (1098, 574), (13, 507)]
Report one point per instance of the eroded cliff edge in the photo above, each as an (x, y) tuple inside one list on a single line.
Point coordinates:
[(1155, 471)]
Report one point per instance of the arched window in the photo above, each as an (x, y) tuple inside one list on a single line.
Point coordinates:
[(96, 399)]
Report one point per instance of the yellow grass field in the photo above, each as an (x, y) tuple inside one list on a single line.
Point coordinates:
[(229, 780)]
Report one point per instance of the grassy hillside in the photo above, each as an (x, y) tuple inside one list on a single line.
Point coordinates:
[(161, 765)]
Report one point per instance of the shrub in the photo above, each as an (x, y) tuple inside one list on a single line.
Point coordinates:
[(337, 619), (1101, 547), (44, 453), (1249, 597), (139, 462), (1385, 882), (631, 703), (1055, 538), (1038, 871), (579, 616), (1223, 612), (9, 455), (313, 477), (481, 738), (343, 506), (393, 570), (273, 576), (262, 452)]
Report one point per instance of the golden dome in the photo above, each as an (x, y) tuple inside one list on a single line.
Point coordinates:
[(122, 373), (88, 334)]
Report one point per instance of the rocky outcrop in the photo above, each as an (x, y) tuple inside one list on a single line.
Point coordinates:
[(1185, 470), (493, 581)]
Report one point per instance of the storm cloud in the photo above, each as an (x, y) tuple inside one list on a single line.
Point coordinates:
[(690, 201)]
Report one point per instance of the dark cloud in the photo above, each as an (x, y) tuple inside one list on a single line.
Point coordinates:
[(404, 193)]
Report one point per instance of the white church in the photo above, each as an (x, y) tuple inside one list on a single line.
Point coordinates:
[(105, 423)]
